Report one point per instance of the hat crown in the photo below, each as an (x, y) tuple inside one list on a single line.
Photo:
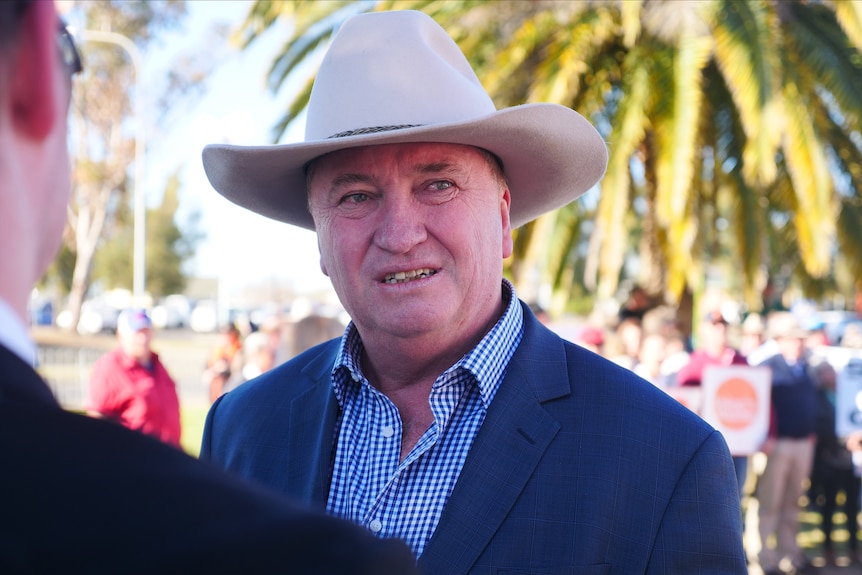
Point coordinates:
[(392, 70)]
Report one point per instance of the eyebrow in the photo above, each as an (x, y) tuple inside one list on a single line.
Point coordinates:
[(348, 179), (359, 178)]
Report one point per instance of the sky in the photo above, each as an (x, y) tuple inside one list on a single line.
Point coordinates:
[(240, 248)]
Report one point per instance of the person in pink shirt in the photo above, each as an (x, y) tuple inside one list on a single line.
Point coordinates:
[(131, 386), (713, 350)]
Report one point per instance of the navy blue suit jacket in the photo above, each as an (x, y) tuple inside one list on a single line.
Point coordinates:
[(81, 495), (579, 467)]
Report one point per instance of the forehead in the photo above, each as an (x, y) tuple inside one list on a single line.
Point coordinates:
[(404, 156)]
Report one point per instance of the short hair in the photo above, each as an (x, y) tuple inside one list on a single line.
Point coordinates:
[(10, 23), (10, 17)]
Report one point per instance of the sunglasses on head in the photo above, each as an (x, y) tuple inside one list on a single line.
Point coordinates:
[(68, 50)]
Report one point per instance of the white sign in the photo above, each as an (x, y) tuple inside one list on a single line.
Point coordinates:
[(689, 395), (736, 401), (848, 398)]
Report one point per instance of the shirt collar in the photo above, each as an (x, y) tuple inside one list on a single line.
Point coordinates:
[(487, 361)]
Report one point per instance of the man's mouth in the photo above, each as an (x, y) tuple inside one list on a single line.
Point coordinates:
[(402, 277)]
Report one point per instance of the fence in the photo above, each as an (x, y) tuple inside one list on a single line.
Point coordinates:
[(67, 371)]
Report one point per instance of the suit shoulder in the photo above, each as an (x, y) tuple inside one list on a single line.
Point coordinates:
[(610, 387)]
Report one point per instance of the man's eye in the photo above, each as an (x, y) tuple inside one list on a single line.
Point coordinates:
[(353, 199), (441, 185)]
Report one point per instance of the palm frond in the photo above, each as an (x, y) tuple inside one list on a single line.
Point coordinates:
[(850, 234), (630, 21), (297, 106), (823, 50), (849, 16), (812, 184), (677, 131), (747, 40), (628, 133)]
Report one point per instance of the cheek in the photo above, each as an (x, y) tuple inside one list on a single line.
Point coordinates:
[(337, 254)]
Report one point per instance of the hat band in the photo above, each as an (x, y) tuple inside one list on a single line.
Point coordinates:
[(372, 130)]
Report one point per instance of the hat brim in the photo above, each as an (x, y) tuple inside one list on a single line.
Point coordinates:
[(551, 155)]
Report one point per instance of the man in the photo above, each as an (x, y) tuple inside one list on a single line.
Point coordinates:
[(790, 452), (447, 415), (81, 495), (714, 351), (130, 384)]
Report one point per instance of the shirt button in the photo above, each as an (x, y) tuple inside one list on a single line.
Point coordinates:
[(388, 431), (375, 526)]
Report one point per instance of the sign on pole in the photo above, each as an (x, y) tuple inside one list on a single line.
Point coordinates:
[(690, 396), (848, 398), (736, 401)]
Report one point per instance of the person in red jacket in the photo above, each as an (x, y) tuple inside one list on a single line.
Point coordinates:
[(131, 386)]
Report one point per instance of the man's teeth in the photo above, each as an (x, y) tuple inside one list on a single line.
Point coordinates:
[(401, 277)]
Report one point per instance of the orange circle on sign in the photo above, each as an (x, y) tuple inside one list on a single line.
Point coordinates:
[(736, 403)]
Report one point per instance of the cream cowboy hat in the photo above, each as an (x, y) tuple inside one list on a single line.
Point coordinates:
[(398, 77)]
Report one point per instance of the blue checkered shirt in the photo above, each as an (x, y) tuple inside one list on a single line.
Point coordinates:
[(405, 499)]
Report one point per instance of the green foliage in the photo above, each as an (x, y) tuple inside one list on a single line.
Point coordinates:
[(168, 247)]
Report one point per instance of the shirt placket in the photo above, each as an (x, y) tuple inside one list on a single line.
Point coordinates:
[(382, 516)]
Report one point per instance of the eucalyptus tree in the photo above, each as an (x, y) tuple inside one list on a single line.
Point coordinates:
[(103, 145), (733, 130)]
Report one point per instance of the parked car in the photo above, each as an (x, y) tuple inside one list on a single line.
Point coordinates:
[(172, 312), (204, 317), (96, 317)]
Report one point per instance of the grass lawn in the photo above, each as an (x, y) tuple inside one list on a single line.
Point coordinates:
[(192, 419)]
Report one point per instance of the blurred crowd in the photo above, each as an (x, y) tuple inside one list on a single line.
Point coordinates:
[(244, 350), (803, 463)]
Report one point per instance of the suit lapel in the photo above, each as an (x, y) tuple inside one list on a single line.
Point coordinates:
[(512, 440), (311, 433)]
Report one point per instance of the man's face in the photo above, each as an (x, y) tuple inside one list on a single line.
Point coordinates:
[(790, 347), (413, 237), (50, 196), (714, 335), (136, 344)]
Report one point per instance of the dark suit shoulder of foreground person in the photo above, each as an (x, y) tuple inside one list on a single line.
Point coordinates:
[(80, 495)]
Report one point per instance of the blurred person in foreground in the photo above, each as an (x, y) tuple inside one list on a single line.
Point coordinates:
[(83, 495), (789, 449), (447, 415), (131, 386)]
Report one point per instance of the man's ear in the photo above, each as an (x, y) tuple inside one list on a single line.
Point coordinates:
[(505, 205), (34, 78)]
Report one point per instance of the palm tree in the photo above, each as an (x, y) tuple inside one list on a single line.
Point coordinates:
[(733, 129)]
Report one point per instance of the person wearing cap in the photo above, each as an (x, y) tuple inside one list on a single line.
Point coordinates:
[(85, 495), (131, 386), (447, 415), (790, 448)]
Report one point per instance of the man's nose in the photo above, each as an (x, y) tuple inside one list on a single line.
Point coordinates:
[(401, 225)]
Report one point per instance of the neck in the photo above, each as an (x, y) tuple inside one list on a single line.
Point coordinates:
[(392, 363)]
